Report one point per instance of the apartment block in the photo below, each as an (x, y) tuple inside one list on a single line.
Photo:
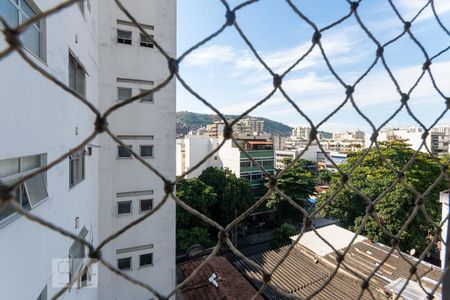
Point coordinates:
[(93, 48)]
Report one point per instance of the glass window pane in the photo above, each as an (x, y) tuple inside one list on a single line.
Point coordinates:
[(72, 74), (30, 162), (9, 13), (31, 40), (24, 198), (148, 98), (146, 205), (146, 259), (124, 93), (123, 152), (124, 207), (146, 151), (124, 263), (36, 189), (27, 8), (8, 209), (80, 79), (9, 167)]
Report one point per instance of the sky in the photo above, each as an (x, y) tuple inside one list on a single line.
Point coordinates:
[(225, 72)]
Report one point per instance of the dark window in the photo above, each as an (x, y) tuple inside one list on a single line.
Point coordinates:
[(147, 98), (145, 42), (145, 259), (146, 151), (76, 168), (123, 152), (124, 37), (124, 207), (124, 263), (146, 205), (77, 76)]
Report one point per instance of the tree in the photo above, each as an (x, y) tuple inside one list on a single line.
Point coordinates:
[(298, 182), (324, 177), (186, 237), (281, 235), (202, 198), (372, 177), (234, 195)]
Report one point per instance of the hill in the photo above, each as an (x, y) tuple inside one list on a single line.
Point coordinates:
[(193, 121)]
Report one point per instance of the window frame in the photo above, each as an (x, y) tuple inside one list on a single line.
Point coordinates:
[(130, 258), (147, 156), (130, 202), (143, 42), (23, 189), (78, 69), (124, 157), (119, 88), (40, 27), (146, 265), (77, 167), (151, 96), (123, 40), (140, 205)]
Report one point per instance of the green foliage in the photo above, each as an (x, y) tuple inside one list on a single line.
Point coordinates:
[(190, 229), (191, 118), (324, 177), (372, 177), (298, 182), (282, 234), (234, 195), (191, 236), (218, 194)]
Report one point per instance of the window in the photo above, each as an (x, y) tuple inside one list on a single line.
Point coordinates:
[(124, 263), (246, 176), (77, 253), (246, 163), (145, 205), (145, 42), (32, 191), (256, 176), (17, 12), (148, 98), (123, 152), (146, 151), (124, 37), (77, 76), (123, 93), (268, 162), (145, 259), (77, 167), (124, 208)]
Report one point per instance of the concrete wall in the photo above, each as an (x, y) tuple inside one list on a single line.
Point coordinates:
[(38, 117), (230, 157), (154, 119)]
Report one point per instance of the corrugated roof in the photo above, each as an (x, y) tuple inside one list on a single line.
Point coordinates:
[(336, 236)]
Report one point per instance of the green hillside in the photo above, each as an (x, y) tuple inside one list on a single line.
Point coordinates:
[(196, 120)]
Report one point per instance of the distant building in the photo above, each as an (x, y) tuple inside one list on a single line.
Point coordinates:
[(437, 141), (301, 132)]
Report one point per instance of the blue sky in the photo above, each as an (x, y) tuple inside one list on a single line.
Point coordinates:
[(226, 73)]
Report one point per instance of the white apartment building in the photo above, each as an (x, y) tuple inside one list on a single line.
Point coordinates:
[(93, 48), (437, 141)]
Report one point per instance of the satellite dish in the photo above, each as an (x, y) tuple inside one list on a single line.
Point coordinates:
[(412, 252)]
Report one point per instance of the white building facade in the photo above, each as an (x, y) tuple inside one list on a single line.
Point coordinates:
[(98, 190)]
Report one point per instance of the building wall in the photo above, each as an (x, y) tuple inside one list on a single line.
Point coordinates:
[(156, 120), (230, 157), (39, 117)]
